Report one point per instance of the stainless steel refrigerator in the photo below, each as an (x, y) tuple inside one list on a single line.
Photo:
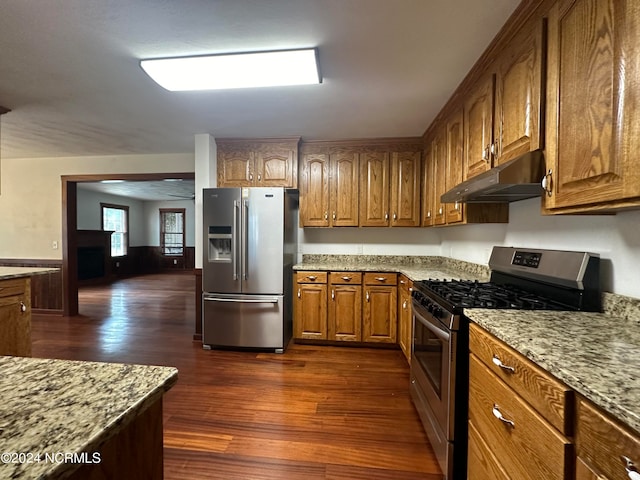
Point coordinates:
[(250, 245)]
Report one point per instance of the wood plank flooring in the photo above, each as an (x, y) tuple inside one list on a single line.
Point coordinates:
[(310, 413)]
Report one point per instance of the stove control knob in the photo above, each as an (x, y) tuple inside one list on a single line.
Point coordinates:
[(437, 312)]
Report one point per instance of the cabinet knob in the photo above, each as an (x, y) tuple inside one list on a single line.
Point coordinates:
[(428, 213), (259, 177), (333, 294), (457, 206), (440, 211), (298, 293), (404, 305), (485, 154), (346, 278), (334, 215), (494, 148), (23, 307), (313, 278), (381, 279), (367, 295), (251, 177), (386, 216), (326, 215)]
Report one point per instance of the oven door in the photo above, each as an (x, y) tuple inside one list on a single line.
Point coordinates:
[(432, 370)]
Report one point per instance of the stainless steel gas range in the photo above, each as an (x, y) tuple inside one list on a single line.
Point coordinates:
[(521, 278)]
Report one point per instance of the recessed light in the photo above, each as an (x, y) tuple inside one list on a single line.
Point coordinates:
[(235, 70)]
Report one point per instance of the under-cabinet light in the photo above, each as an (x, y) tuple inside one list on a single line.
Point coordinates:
[(236, 70)]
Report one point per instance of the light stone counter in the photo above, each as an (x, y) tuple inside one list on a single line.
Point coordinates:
[(18, 272), (414, 267), (596, 354), (51, 406)]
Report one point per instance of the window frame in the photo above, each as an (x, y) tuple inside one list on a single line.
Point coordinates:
[(125, 242), (162, 212)]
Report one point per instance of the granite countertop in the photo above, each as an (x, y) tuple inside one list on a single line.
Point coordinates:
[(17, 272), (416, 268), (51, 406), (596, 354)]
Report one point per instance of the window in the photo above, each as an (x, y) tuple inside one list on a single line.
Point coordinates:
[(172, 236), (116, 218)]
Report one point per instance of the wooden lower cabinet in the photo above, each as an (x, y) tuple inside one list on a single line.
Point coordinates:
[(345, 307), (509, 436), (310, 305), (15, 317), (601, 444), (405, 316), (380, 308)]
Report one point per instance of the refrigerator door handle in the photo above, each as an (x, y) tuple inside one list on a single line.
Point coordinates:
[(245, 256), (234, 241), (241, 300)]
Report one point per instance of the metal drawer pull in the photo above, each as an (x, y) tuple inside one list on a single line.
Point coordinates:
[(404, 305), (367, 296), (312, 278), (298, 293), (381, 279), (496, 361), (630, 467), (498, 414), (23, 307), (347, 279), (333, 294), (547, 183)]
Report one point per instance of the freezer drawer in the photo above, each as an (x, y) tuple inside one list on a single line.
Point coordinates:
[(251, 321)]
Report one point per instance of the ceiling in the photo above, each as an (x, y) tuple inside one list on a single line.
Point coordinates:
[(151, 190), (70, 71)]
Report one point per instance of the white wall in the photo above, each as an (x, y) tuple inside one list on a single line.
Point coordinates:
[(614, 237), (31, 196)]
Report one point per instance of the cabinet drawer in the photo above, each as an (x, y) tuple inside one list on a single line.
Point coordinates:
[(482, 464), (14, 286), (529, 448), (550, 397), (380, 278), (602, 442), (311, 277), (345, 278)]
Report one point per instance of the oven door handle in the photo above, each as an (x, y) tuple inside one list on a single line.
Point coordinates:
[(441, 333)]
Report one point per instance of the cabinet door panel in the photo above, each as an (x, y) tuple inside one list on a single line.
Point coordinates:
[(454, 173), (344, 189), (518, 96), (478, 129), (236, 169), (345, 313), (379, 314), (439, 185), (314, 191), (311, 311), (275, 169), (374, 189), (405, 189), (581, 95), (428, 186)]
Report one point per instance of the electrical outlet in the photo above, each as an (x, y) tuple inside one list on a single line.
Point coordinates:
[(54, 245), (175, 261), (117, 264)]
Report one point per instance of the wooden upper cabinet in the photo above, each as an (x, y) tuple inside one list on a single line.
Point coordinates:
[(439, 182), (593, 106), (405, 189), (518, 95), (344, 188), (374, 189), (275, 168), (478, 129), (235, 168), (257, 162), (454, 174), (428, 186), (314, 190)]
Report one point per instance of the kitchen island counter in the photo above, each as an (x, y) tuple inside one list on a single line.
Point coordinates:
[(60, 419), (595, 354), (20, 272)]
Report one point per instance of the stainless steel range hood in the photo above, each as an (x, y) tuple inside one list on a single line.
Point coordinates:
[(514, 180)]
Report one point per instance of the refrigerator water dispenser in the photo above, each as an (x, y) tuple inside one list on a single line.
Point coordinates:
[(220, 244)]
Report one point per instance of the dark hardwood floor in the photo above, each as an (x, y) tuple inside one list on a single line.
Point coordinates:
[(310, 413)]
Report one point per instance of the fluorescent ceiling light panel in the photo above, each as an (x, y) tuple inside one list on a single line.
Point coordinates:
[(237, 70)]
